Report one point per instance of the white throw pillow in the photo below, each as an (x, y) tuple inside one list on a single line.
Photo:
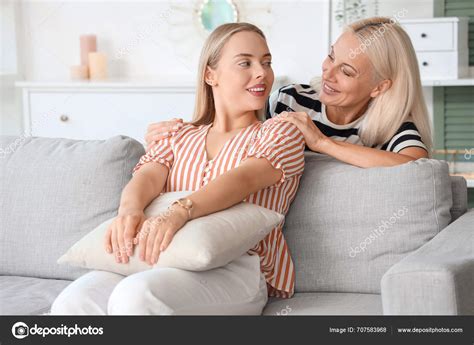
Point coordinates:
[(202, 244)]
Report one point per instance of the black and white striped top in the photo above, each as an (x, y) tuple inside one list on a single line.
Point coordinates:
[(303, 98)]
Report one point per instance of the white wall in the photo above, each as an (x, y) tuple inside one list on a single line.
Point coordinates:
[(8, 62), (9, 102), (149, 39)]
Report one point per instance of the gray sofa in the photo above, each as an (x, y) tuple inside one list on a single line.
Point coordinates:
[(374, 241)]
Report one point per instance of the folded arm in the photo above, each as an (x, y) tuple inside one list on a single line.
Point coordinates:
[(275, 155), (234, 186), (146, 185), (225, 191)]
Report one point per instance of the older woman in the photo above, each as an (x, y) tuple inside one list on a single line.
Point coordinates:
[(367, 109)]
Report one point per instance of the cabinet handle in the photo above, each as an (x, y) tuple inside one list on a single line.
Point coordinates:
[(423, 35), (425, 63), (64, 118)]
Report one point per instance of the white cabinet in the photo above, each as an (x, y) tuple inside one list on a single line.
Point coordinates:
[(441, 46), (99, 110), (431, 35), (100, 115)]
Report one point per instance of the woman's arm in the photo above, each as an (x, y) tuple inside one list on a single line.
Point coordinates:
[(367, 157), (361, 156), (146, 184), (276, 155), (234, 186), (223, 192)]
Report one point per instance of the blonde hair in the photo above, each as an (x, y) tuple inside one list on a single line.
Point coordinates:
[(204, 108), (391, 53)]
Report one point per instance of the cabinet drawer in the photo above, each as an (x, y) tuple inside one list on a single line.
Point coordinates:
[(100, 115), (431, 36), (439, 65)]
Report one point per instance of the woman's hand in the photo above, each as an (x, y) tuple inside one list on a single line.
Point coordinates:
[(121, 232), (161, 130), (312, 135), (157, 233)]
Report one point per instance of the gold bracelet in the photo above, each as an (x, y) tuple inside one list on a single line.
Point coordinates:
[(185, 203)]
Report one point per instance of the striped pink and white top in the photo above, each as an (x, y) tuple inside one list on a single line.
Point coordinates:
[(281, 143)]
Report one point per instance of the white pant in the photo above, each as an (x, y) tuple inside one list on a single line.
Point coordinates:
[(238, 288)]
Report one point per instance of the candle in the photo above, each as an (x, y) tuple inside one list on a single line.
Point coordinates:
[(79, 72), (97, 65), (88, 45)]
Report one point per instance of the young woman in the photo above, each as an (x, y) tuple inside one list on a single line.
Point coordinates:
[(367, 109), (225, 156)]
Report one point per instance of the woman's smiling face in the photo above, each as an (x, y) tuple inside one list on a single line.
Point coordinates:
[(244, 75), (348, 78)]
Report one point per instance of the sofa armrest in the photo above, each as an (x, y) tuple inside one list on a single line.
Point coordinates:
[(438, 278)]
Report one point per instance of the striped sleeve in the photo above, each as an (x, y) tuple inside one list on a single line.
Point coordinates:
[(406, 136), (271, 104), (293, 97), (282, 144), (162, 153)]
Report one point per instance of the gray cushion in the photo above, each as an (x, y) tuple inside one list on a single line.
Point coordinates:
[(459, 188), (53, 192), (325, 303), (348, 225), (28, 296)]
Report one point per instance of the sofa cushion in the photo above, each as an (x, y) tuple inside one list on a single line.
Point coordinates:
[(348, 225), (53, 192), (459, 188), (325, 303), (201, 244), (27, 295)]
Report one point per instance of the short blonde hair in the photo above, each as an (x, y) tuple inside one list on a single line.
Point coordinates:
[(391, 53), (204, 109)]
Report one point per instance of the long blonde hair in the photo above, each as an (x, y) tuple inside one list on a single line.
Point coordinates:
[(391, 53), (204, 108)]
